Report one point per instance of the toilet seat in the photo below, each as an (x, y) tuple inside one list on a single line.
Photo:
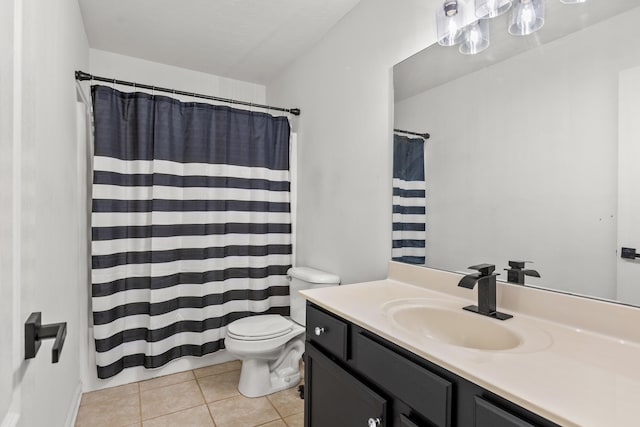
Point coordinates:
[(259, 328)]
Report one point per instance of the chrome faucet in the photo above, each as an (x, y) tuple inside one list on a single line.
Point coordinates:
[(486, 280)]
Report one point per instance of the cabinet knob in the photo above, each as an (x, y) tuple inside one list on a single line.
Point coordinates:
[(374, 422), (319, 331)]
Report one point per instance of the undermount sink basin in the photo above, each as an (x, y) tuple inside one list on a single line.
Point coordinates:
[(449, 323)]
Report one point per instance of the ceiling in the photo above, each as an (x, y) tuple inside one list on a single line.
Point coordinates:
[(250, 40)]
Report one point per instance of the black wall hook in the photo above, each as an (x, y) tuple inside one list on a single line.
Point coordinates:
[(35, 332)]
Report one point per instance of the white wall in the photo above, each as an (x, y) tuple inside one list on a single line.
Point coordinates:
[(344, 89), (522, 160), (53, 45), (628, 188), (112, 65), (6, 208)]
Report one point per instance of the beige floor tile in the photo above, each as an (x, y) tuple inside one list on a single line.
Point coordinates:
[(221, 386), (99, 396), (287, 402), (295, 420), (278, 423), (242, 411), (166, 380), (172, 398), (220, 368), (116, 411), (194, 417)]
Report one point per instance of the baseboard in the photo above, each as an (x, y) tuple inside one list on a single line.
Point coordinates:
[(10, 420), (72, 412)]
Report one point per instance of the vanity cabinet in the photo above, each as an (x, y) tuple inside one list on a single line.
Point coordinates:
[(356, 378), (337, 398)]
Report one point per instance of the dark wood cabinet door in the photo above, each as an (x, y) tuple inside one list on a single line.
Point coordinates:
[(406, 422), (334, 398), (489, 415)]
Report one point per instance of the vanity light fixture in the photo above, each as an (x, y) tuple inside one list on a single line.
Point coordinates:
[(527, 17), (476, 37), (492, 8), (449, 22)]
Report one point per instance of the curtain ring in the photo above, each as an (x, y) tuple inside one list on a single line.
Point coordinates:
[(113, 84), (153, 91)]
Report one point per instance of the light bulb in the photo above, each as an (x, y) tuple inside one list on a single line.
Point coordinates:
[(492, 8), (476, 38), (527, 17), (449, 23)]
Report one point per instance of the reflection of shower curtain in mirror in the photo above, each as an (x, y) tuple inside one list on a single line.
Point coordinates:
[(409, 212), (191, 225)]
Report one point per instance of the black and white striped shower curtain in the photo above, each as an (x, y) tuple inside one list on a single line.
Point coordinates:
[(191, 225), (409, 210)]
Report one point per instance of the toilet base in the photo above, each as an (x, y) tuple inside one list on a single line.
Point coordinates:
[(260, 377)]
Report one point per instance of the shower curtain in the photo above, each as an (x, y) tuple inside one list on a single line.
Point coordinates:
[(409, 211), (191, 225)]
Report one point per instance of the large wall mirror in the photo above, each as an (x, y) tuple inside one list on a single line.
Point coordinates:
[(534, 152)]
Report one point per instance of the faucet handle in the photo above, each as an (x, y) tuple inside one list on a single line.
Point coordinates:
[(484, 269), (518, 264)]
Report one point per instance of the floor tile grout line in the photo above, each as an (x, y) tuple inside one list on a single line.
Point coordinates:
[(223, 398), (204, 399), (104, 389), (139, 403), (217, 373), (240, 395), (167, 385), (211, 415), (174, 412), (269, 422), (274, 406)]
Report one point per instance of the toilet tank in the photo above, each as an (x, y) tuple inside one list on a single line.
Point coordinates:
[(302, 278)]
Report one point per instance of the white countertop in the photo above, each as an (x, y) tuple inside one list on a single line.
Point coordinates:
[(567, 374)]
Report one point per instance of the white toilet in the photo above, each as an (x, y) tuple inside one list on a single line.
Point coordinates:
[(269, 345)]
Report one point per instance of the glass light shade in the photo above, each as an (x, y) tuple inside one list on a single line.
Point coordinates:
[(573, 1), (476, 38), (527, 17), (449, 24), (491, 8)]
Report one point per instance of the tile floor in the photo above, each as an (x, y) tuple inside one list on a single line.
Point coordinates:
[(206, 397)]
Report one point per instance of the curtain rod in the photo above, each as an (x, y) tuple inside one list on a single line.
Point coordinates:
[(81, 76), (421, 135)]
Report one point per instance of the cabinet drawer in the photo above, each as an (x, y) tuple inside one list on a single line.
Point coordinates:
[(424, 391), (334, 398), (327, 332), (489, 415)]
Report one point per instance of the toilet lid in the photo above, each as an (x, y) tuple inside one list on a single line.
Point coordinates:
[(260, 327)]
